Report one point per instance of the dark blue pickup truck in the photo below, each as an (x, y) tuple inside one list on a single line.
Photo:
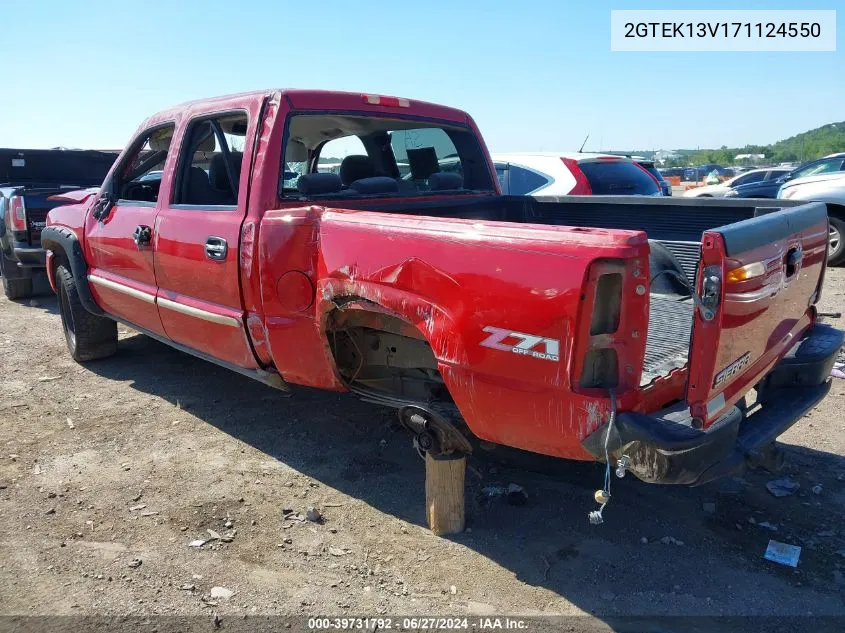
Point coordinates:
[(28, 180)]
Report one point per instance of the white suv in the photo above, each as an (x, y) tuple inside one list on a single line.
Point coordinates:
[(827, 187), (572, 174)]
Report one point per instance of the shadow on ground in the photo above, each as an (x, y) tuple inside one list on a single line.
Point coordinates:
[(628, 564)]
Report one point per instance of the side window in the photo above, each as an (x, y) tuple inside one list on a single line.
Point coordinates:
[(749, 178), (524, 181), (502, 177), (139, 179), (210, 161)]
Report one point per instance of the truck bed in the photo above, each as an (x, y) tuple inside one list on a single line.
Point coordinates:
[(676, 223)]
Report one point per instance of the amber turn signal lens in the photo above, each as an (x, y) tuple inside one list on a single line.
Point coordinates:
[(749, 271)]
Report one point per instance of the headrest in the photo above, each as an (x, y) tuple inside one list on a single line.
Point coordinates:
[(316, 184), (376, 184), (217, 175), (204, 131), (444, 181), (296, 152), (160, 139), (423, 162), (356, 167)]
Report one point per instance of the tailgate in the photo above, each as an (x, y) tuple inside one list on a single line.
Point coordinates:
[(38, 204), (759, 279)]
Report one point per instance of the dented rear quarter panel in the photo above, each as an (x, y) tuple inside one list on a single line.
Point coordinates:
[(451, 279)]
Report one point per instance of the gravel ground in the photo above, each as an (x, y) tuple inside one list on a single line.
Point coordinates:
[(109, 471)]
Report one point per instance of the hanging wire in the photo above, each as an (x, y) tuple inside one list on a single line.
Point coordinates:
[(595, 516)]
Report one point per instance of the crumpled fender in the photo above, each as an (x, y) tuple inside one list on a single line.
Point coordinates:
[(390, 287), (75, 196)]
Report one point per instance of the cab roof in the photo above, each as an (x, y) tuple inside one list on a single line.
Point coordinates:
[(316, 100)]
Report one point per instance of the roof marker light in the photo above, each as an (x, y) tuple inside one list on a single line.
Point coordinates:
[(389, 102)]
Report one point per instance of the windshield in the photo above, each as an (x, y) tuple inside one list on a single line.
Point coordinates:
[(828, 166), (361, 156)]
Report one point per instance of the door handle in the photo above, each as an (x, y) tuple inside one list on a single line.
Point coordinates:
[(216, 248), (142, 235), (794, 257)]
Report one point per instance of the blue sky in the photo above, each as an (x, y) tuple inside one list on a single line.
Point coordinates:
[(535, 74)]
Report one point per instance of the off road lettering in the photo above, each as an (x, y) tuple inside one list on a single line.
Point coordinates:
[(522, 343)]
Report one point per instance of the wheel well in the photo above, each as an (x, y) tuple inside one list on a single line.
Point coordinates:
[(59, 258), (381, 353), (836, 210)]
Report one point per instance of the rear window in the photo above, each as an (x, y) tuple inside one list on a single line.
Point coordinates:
[(618, 178), (375, 155)]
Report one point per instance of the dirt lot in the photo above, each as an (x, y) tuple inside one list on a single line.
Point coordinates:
[(132, 458)]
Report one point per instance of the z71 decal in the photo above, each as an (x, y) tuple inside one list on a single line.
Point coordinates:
[(522, 344), (733, 369)]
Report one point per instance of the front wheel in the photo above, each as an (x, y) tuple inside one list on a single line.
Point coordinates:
[(836, 247), (88, 336)]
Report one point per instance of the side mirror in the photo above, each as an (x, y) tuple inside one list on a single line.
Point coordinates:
[(103, 206)]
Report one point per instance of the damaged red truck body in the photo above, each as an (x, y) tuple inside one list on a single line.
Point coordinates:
[(405, 277)]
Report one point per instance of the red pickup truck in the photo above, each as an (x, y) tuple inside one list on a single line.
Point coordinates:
[(631, 331)]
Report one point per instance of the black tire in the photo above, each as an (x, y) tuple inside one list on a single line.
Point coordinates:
[(15, 287), (88, 336), (836, 256)]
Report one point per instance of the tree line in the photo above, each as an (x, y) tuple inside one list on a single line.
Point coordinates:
[(821, 141)]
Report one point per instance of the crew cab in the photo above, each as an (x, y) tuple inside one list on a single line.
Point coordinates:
[(31, 183), (622, 329)]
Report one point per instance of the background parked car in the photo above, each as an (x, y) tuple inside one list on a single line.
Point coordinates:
[(766, 187), (574, 173), (648, 165), (28, 180), (828, 188), (722, 189), (673, 171), (699, 173), (830, 164)]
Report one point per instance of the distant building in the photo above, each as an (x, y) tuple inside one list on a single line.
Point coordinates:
[(662, 155), (752, 158)]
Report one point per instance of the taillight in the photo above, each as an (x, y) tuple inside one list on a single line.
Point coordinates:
[(582, 185), (390, 102), (17, 213)]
